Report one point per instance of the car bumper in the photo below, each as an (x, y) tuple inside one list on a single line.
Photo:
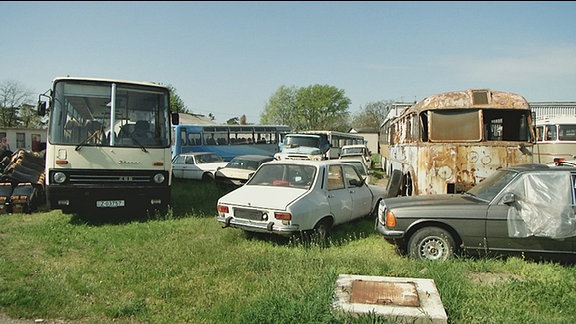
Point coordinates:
[(260, 227), (386, 232)]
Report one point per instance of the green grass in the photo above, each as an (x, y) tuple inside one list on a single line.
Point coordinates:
[(185, 268)]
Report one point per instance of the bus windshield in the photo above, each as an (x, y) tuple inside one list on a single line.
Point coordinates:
[(95, 113), (308, 141)]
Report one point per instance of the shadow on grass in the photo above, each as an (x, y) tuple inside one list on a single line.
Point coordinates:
[(189, 198)]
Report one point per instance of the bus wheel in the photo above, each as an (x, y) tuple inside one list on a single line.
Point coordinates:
[(394, 183), (407, 185)]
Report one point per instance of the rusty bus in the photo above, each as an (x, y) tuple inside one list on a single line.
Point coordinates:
[(449, 142), (555, 138)]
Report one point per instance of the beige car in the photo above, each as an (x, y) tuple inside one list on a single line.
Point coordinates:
[(358, 152)]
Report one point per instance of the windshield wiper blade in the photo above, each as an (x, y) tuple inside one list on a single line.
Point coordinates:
[(79, 146), (140, 144)]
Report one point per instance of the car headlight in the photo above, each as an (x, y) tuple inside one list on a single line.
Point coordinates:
[(59, 177), (159, 178)]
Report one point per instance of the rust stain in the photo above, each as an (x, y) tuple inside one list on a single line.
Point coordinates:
[(384, 293)]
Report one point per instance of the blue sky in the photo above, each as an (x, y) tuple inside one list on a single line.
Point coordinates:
[(228, 58)]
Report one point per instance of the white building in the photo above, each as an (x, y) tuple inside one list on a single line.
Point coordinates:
[(30, 139)]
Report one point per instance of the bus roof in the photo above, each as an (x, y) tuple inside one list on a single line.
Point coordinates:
[(144, 83), (472, 98)]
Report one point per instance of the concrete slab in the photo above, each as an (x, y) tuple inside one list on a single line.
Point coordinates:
[(410, 300)]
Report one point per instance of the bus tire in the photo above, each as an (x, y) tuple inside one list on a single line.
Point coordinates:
[(407, 185), (393, 187), (431, 243)]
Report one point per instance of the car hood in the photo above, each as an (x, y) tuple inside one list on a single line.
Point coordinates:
[(275, 197), (301, 150), (431, 201), (213, 166), (234, 173)]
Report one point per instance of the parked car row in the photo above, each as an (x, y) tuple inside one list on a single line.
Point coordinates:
[(525, 209)]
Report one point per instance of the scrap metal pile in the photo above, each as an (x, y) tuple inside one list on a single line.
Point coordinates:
[(22, 182)]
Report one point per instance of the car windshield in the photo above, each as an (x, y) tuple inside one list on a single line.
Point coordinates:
[(288, 175), (491, 186), (209, 158), (243, 164)]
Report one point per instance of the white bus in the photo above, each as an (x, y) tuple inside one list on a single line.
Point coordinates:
[(108, 145), (555, 139)]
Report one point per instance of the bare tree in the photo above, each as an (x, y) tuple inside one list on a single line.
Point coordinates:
[(13, 97)]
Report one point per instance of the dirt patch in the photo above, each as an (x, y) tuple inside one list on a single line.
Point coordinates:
[(492, 278)]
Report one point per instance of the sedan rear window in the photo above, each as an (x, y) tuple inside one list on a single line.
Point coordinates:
[(289, 175)]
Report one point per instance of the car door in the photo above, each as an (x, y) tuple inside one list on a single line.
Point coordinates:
[(338, 195), (177, 167), (191, 168), (360, 195), (502, 235)]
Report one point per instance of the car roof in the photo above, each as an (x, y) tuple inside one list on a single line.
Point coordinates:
[(253, 157), (308, 162), (539, 167), (196, 153), (354, 145)]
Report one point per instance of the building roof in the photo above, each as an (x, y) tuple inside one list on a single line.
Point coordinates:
[(195, 119)]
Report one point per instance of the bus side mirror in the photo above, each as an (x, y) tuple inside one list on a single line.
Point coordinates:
[(175, 118), (42, 108)]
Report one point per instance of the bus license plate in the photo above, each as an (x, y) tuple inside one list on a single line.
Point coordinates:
[(109, 203)]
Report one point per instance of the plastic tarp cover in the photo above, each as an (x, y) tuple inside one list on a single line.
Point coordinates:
[(543, 206)]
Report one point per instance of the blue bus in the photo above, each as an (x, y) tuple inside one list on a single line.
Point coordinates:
[(228, 140)]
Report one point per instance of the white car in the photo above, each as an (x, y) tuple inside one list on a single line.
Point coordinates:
[(357, 151), (239, 170), (295, 196), (196, 165)]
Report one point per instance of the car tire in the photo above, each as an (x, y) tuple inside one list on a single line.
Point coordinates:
[(431, 243), (207, 177), (321, 230)]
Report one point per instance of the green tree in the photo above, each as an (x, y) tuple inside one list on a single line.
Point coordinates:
[(280, 108), (29, 118), (176, 103), (372, 115), (311, 108)]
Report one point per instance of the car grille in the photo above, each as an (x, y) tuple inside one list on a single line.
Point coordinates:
[(251, 214)]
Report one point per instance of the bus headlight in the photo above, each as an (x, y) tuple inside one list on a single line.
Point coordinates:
[(159, 178), (59, 177)]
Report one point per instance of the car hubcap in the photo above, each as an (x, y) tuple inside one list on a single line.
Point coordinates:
[(432, 249)]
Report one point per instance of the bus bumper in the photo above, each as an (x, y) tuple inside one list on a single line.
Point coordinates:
[(80, 199)]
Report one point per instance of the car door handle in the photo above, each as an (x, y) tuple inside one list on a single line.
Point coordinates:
[(330, 196)]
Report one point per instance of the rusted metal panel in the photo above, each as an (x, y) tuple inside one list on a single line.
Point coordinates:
[(464, 99), (385, 293)]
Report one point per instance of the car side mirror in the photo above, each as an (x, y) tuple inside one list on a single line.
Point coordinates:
[(508, 198), (356, 183)]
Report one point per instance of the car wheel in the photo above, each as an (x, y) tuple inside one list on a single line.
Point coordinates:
[(207, 177), (374, 213), (431, 243), (322, 230)]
